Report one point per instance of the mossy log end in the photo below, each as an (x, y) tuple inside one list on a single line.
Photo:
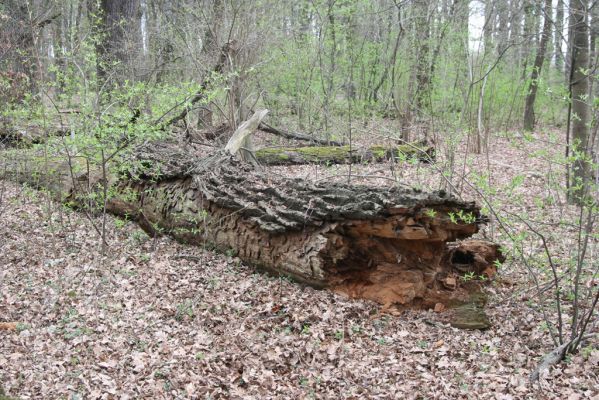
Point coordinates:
[(343, 154), (393, 246)]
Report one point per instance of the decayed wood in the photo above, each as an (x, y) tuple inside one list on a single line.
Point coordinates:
[(240, 140), (387, 245), (342, 154)]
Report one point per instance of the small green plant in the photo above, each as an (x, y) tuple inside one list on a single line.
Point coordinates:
[(22, 327), (306, 329), (339, 335), (120, 223), (468, 276), (423, 344), (185, 309), (139, 237), (140, 345), (586, 351), (430, 213)]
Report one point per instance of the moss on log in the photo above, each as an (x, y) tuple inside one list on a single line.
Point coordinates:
[(343, 154)]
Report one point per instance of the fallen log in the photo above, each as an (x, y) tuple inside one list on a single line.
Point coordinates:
[(296, 135), (343, 154), (28, 134), (392, 245)]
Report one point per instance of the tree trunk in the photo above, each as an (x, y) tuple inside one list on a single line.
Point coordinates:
[(422, 66), (118, 41), (579, 84), (342, 154), (529, 34), (529, 105), (387, 245), (503, 16), (489, 27), (559, 34)]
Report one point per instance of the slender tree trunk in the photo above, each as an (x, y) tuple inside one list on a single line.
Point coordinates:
[(579, 84), (422, 27), (529, 111), (593, 52), (515, 22), (559, 34), (488, 27), (503, 11), (529, 34), (211, 48), (569, 48)]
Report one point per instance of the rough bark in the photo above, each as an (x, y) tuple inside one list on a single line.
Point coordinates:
[(342, 154), (387, 245)]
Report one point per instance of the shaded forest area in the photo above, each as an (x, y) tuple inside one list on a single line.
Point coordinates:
[(299, 199)]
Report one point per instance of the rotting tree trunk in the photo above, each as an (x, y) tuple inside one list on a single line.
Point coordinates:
[(343, 154), (392, 246)]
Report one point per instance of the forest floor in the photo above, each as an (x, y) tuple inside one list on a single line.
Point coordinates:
[(157, 319)]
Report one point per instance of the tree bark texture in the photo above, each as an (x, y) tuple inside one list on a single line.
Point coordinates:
[(387, 245)]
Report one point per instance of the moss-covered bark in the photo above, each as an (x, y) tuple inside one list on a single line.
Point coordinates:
[(343, 154)]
